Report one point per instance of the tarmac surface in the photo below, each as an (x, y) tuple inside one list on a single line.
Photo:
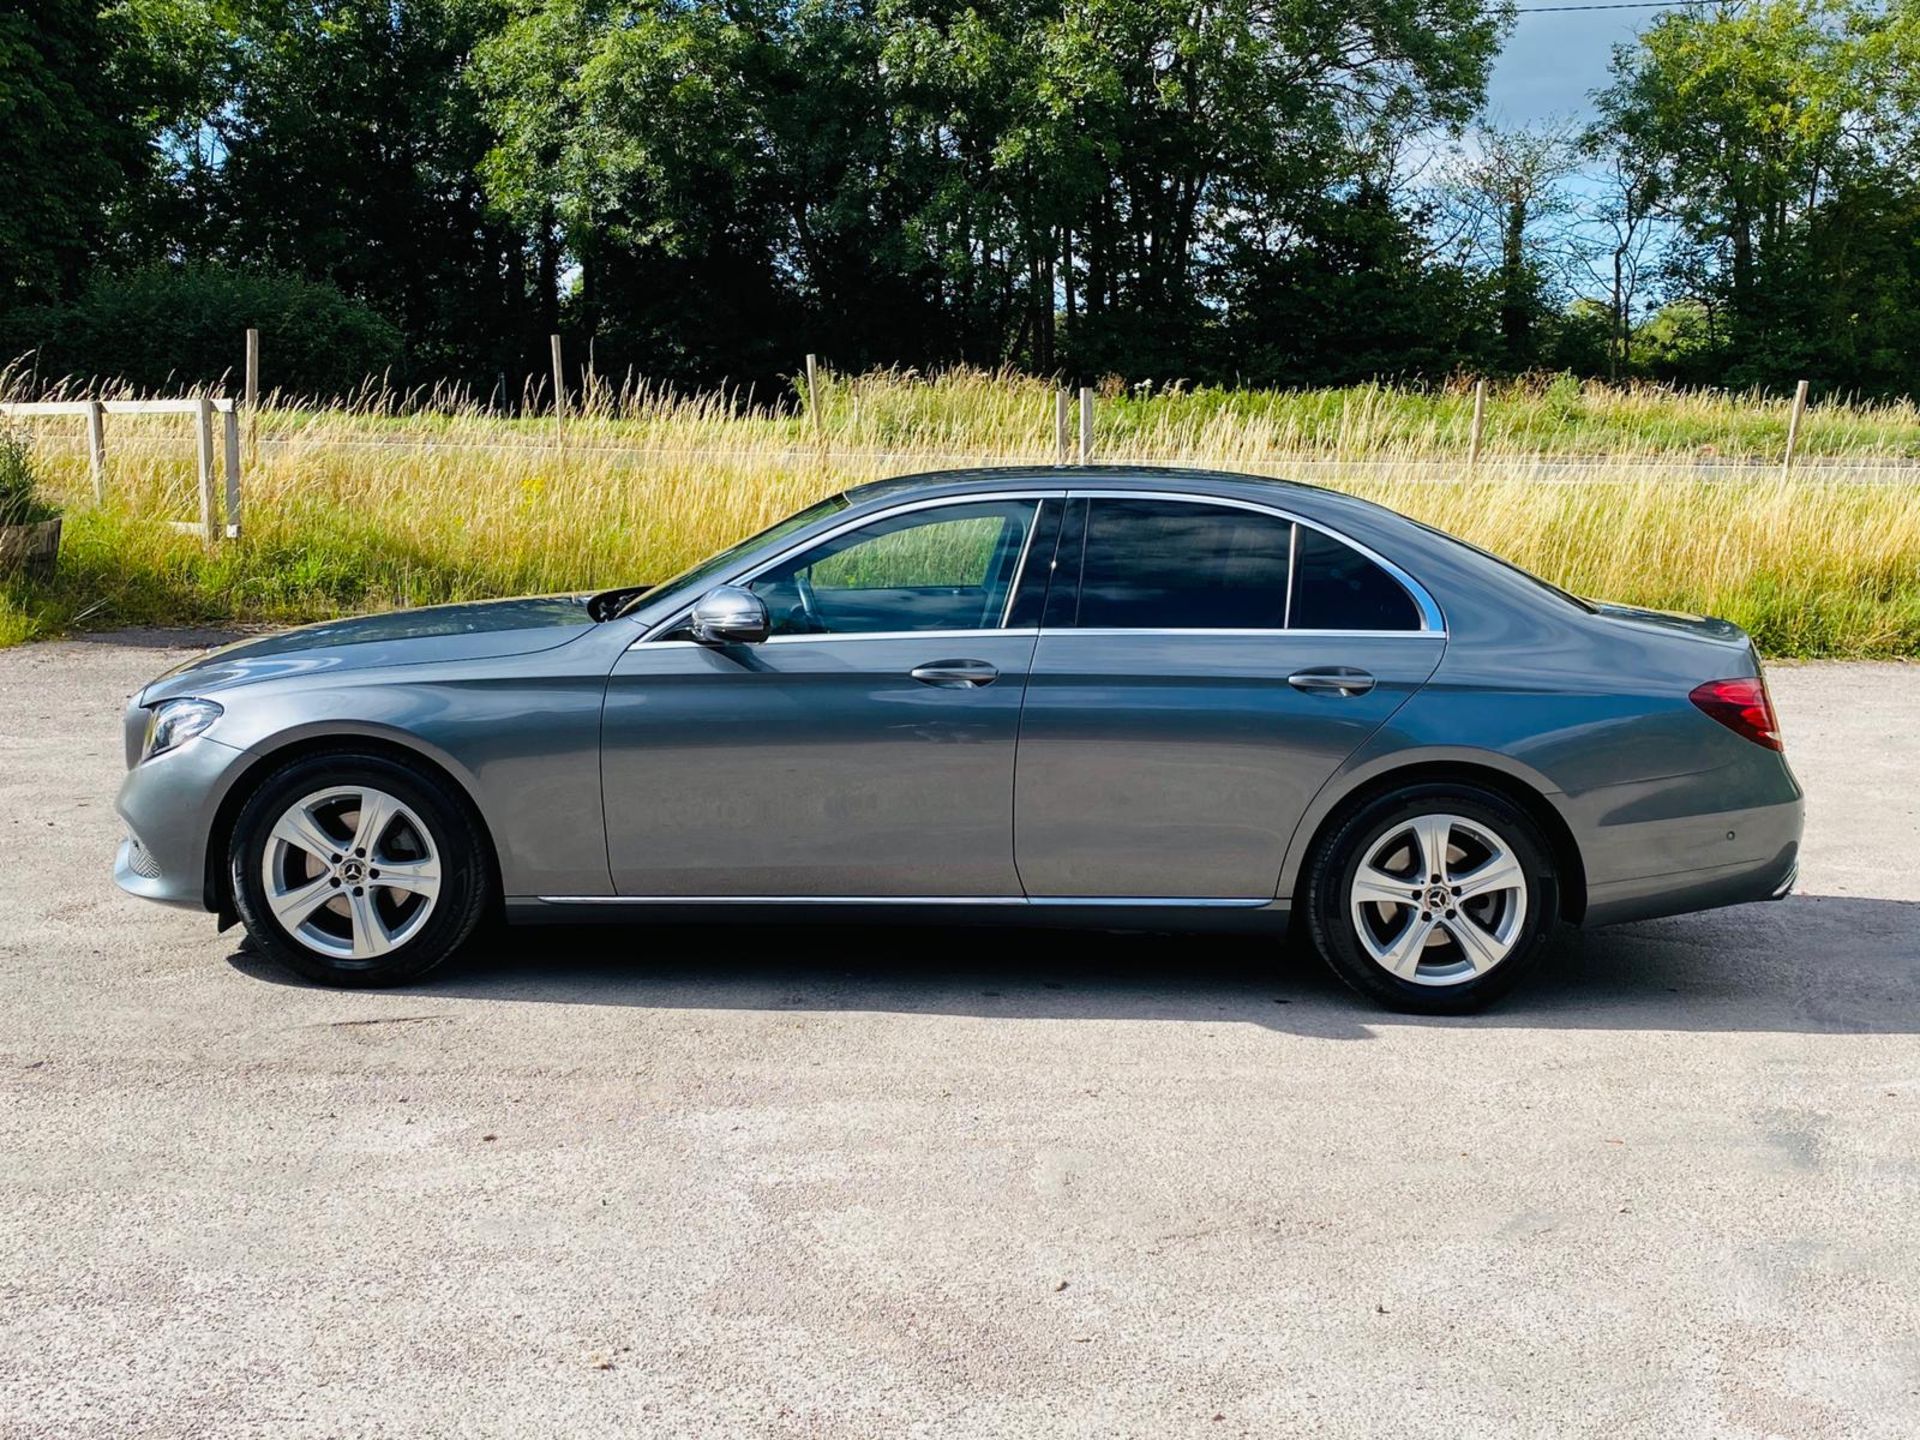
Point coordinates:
[(807, 1182)]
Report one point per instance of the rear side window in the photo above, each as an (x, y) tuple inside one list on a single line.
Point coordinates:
[(1165, 564), (1153, 564), (1335, 587)]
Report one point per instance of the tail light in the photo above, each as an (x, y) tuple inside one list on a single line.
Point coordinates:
[(1744, 707)]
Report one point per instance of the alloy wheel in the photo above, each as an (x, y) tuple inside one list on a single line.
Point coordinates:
[(1439, 900), (351, 872)]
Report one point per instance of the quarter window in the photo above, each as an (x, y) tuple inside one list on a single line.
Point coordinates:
[(948, 568), (1335, 587)]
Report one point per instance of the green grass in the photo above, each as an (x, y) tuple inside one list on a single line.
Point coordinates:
[(1540, 416), (361, 511)]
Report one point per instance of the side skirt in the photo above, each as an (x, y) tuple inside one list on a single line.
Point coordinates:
[(1130, 913)]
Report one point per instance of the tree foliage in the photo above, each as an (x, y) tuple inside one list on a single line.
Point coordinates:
[(705, 190), (1779, 138), (69, 145), (162, 328)]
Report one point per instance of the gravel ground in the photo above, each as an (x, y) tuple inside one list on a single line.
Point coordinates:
[(785, 1182)]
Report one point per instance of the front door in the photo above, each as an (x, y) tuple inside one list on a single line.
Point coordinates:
[(1202, 670), (865, 750)]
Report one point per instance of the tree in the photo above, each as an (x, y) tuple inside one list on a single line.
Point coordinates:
[(1360, 297), (163, 328), (1512, 213), (338, 142), (70, 145), (905, 181), (1754, 127), (1621, 215)]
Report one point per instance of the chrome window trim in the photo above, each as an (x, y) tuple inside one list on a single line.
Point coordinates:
[(896, 635), (755, 572), (1267, 633), (1432, 621), (1059, 631)]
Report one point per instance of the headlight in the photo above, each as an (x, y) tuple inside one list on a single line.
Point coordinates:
[(172, 723)]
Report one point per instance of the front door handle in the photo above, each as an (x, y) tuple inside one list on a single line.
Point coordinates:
[(955, 674), (1332, 680)]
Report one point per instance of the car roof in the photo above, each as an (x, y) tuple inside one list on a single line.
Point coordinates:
[(995, 477), (1333, 508)]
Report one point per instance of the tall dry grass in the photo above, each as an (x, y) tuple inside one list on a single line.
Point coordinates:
[(1628, 494)]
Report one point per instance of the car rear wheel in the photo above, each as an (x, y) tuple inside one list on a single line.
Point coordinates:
[(356, 870), (1436, 899)]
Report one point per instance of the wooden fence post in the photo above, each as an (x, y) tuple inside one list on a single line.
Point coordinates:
[(1061, 427), (1086, 423), (253, 395), (813, 397), (1479, 422), (203, 436), (232, 419), (1793, 427), (97, 449), (559, 380)]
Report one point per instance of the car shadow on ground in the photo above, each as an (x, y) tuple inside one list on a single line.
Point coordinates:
[(165, 639), (1811, 964)]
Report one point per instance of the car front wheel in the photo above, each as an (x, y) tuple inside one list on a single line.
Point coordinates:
[(1435, 899), (357, 870)]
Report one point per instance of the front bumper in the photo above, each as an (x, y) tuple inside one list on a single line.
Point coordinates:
[(169, 804)]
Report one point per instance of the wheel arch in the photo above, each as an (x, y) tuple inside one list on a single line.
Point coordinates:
[(305, 745), (1530, 795)]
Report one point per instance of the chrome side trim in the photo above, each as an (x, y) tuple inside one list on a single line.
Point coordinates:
[(1163, 902), (781, 899), (1110, 901)]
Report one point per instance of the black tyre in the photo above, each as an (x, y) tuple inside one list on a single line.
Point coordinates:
[(1435, 899), (357, 870)]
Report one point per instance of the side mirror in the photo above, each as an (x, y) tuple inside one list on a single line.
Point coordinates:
[(730, 615)]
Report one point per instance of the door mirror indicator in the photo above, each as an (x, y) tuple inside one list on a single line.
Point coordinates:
[(729, 615)]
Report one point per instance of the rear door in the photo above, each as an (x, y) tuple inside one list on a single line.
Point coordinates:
[(1203, 667)]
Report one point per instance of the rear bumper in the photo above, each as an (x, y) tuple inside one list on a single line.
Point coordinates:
[(1648, 897), (1678, 845)]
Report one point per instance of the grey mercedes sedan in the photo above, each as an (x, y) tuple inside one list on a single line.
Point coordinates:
[(1109, 696)]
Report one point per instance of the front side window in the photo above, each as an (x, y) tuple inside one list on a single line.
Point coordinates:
[(946, 568)]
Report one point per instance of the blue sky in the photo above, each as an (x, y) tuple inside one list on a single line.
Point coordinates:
[(1552, 61)]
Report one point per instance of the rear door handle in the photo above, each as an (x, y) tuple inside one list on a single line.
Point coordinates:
[(1332, 680), (955, 674)]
